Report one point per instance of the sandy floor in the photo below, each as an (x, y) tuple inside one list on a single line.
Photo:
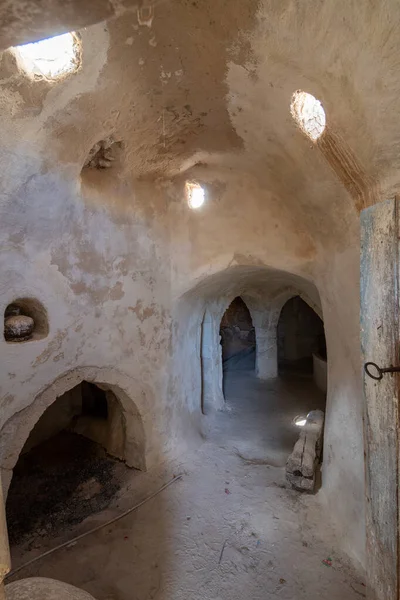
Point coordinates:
[(228, 530)]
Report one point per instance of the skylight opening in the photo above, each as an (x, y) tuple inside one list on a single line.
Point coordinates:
[(309, 114), (53, 57), (195, 194)]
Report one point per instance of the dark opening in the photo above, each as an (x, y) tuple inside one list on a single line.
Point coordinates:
[(300, 335), (238, 340), (65, 471), (94, 401)]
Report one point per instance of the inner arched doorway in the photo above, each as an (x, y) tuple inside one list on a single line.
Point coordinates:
[(72, 463), (238, 340), (301, 345)]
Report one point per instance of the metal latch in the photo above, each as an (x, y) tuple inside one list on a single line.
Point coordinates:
[(379, 371)]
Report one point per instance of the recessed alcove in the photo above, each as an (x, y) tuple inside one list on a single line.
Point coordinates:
[(104, 165), (72, 463), (104, 154), (25, 319)]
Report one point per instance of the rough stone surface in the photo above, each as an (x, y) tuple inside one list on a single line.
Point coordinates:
[(128, 274), (18, 328), (43, 588)]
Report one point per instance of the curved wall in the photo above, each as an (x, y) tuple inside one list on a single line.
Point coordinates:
[(126, 271)]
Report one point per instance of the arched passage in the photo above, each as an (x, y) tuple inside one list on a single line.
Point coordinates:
[(248, 327), (222, 323), (238, 338), (300, 338), (264, 291), (268, 335)]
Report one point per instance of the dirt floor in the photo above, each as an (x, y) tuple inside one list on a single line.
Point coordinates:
[(228, 530), (69, 477)]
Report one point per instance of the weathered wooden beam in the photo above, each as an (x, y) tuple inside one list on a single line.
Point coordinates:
[(380, 338), (302, 464)]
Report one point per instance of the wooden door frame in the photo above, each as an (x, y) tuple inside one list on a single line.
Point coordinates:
[(380, 344)]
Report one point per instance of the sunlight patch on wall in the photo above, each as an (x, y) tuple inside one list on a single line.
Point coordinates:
[(300, 421)]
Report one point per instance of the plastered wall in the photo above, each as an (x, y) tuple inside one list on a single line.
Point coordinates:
[(127, 273)]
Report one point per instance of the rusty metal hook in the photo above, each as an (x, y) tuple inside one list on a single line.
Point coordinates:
[(380, 371)]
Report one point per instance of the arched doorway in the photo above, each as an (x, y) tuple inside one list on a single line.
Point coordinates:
[(71, 463), (300, 339), (238, 340)]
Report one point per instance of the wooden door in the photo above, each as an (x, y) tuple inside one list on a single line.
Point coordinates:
[(380, 344)]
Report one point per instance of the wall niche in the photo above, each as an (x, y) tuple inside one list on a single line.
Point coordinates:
[(25, 319), (104, 154)]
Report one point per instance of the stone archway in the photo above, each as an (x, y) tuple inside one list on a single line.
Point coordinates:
[(267, 364), (301, 339), (212, 397), (237, 332), (16, 430)]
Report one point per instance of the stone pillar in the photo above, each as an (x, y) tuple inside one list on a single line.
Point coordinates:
[(211, 365), (266, 354)]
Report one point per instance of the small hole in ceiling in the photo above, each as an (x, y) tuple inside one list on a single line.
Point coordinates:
[(51, 58), (300, 421), (195, 194), (308, 113)]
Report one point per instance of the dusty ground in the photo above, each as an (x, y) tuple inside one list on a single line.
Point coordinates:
[(69, 477), (228, 530)]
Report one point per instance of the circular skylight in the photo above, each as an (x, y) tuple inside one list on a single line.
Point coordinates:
[(309, 114), (51, 58), (195, 194)]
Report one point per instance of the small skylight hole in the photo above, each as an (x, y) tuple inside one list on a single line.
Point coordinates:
[(300, 421), (53, 57), (195, 194), (309, 114)]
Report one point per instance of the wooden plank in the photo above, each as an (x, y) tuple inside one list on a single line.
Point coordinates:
[(302, 464), (380, 341)]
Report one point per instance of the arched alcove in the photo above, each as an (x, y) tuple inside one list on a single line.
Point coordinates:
[(86, 409), (135, 402), (25, 319), (73, 440)]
